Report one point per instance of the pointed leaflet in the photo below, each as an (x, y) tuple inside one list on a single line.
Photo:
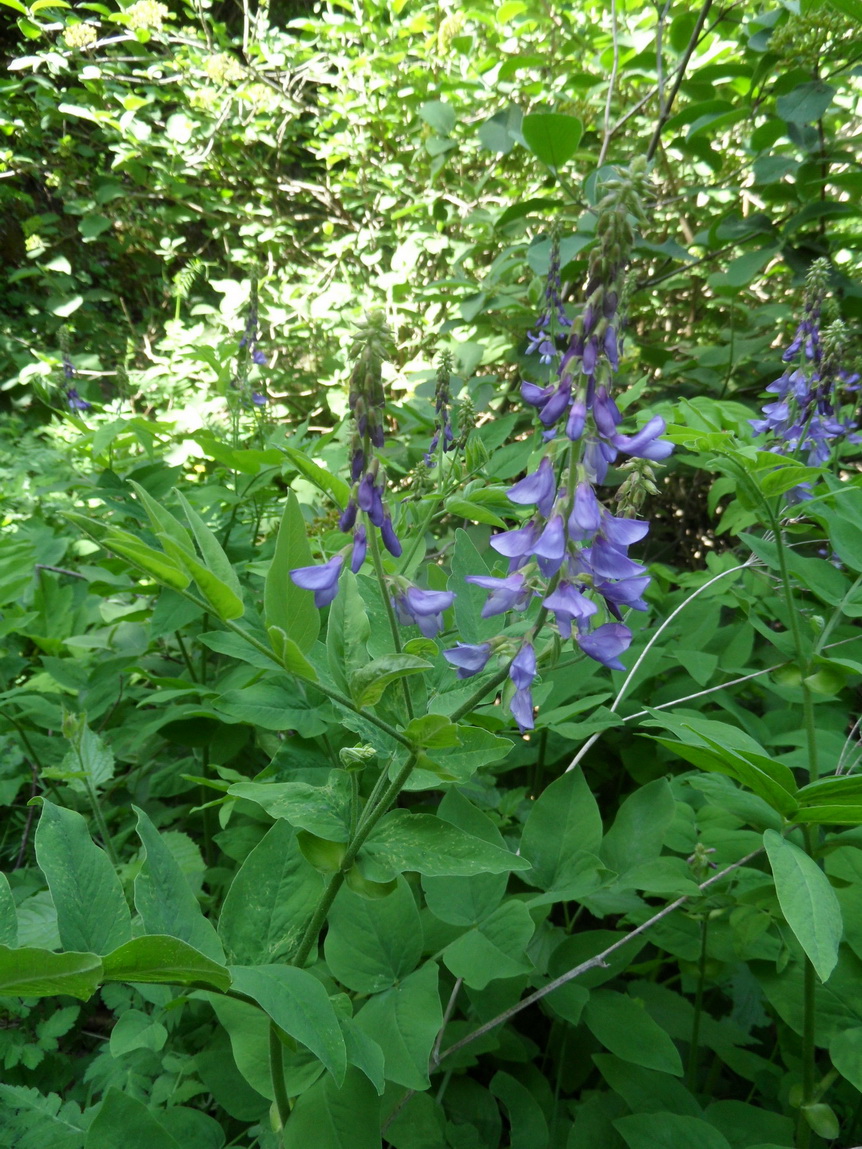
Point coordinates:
[(164, 898), (563, 825), (211, 549), (552, 136), (466, 901), (123, 1120), (270, 899), (528, 1126), (92, 914), (327, 1117), (41, 973), (637, 834), (371, 944), (623, 1026), (297, 1002), (286, 605), (147, 559), (163, 521), (221, 596), (669, 1131), (8, 915), (163, 960), (807, 901), (404, 1022), (347, 632)]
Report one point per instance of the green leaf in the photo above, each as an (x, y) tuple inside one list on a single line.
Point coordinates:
[(806, 103), (274, 705), (211, 549), (286, 605), (347, 632), (8, 915), (466, 901), (493, 949), (370, 945), (669, 1131), (297, 1002), (85, 767), (15, 5), (150, 561), (563, 824), (475, 512), (161, 959), (432, 731), (331, 1118), (224, 600), (639, 828), (136, 1030), (807, 901), (552, 137), (92, 914), (270, 899), (124, 1120), (421, 842), (326, 481), (164, 898), (528, 1128), (469, 598), (369, 682), (438, 115), (40, 973), (845, 1051), (623, 1026), (404, 1021), (322, 810), (476, 748), (162, 520), (289, 654)]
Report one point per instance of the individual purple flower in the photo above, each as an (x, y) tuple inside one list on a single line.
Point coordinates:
[(537, 489), (506, 593), (550, 547), (534, 395), (347, 517), (623, 592), (606, 414), (517, 543), (576, 421), (622, 532), (556, 404), (586, 516), (568, 602), (470, 659), (390, 539), (360, 547), (323, 580), (646, 443), (424, 608), (605, 643), (258, 357), (370, 499), (608, 561), (522, 672), (75, 402), (258, 399)]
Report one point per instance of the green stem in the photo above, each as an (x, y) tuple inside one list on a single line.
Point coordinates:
[(97, 814), (276, 1070), (377, 562), (186, 658)]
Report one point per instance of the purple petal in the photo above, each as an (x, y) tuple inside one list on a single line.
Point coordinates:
[(427, 602), (537, 489), (521, 707), (576, 420), (515, 544), (360, 546), (605, 643), (586, 516), (606, 413), (348, 517), (468, 658), (323, 580), (623, 532), (646, 444), (609, 562), (390, 539), (523, 668), (506, 593)]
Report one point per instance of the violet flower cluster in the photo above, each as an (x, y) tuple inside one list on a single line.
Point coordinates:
[(412, 604), (553, 320), (572, 552), (74, 400), (442, 411), (809, 416), (249, 343)]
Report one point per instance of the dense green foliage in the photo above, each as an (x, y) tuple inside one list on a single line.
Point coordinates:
[(274, 875)]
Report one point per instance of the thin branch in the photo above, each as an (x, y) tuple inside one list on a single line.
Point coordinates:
[(611, 84), (600, 960), (664, 113)]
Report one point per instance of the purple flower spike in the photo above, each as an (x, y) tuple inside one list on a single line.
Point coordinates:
[(568, 602), (605, 643), (76, 403), (537, 489), (469, 659), (323, 580), (646, 444), (424, 608), (506, 593), (360, 546), (390, 539)]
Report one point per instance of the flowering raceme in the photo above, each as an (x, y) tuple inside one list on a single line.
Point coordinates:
[(573, 552), (811, 414)]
